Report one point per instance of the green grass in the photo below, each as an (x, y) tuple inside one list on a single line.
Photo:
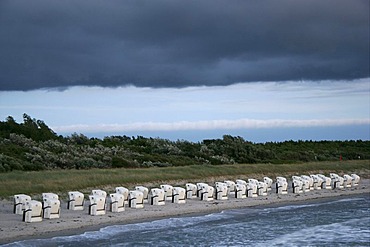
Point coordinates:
[(62, 181)]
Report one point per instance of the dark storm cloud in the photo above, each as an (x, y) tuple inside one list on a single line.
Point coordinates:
[(46, 43)]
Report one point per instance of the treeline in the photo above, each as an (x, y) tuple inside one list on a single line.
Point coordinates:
[(32, 145)]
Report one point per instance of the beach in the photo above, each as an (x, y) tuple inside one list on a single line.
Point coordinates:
[(12, 228)]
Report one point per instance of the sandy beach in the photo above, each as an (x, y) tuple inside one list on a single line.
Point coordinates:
[(12, 228)]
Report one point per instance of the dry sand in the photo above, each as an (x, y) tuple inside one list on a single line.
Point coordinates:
[(12, 228)]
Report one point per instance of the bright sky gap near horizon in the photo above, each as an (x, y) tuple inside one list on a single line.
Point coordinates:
[(189, 70)]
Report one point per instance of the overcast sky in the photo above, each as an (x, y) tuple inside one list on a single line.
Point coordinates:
[(166, 65)]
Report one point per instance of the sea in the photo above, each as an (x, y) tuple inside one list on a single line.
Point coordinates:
[(328, 222)]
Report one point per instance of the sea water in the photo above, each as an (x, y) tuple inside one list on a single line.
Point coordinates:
[(333, 222)]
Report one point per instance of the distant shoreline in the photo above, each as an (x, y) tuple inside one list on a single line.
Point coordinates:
[(77, 222)]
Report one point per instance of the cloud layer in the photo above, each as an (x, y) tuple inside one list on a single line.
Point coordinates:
[(177, 43), (210, 125)]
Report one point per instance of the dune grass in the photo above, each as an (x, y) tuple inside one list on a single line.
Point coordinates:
[(62, 181)]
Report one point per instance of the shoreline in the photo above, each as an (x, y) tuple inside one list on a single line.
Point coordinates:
[(12, 228)]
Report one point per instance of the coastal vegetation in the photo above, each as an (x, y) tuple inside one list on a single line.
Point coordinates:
[(34, 159), (33, 146)]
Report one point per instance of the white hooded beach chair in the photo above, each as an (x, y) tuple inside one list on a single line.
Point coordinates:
[(310, 181), (268, 181), (326, 181), (124, 191), (145, 191), (117, 202), (221, 191), (230, 186), (168, 191), (262, 189), (337, 181), (75, 200), (199, 188), (347, 181), (32, 211), (281, 185), (136, 199), (97, 204), (252, 189), (179, 195), (317, 182), (157, 197), (206, 192), (191, 190), (240, 191), (297, 186), (306, 184), (51, 208), (355, 179), (20, 203)]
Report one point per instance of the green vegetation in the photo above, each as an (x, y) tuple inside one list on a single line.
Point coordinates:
[(33, 146), (61, 181), (34, 159)]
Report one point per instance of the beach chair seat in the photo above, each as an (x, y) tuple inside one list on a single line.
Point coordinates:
[(252, 189), (117, 202), (326, 181), (206, 192), (145, 191), (268, 181), (124, 191), (20, 203), (157, 196), (97, 204), (262, 188), (51, 208), (230, 186), (221, 191), (355, 179), (75, 200), (297, 186), (136, 199), (179, 195), (168, 191), (240, 190), (281, 185), (191, 190), (32, 211), (347, 181)]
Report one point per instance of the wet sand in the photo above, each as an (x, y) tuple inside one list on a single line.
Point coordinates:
[(12, 228)]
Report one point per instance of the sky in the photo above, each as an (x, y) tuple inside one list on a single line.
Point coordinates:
[(192, 70)]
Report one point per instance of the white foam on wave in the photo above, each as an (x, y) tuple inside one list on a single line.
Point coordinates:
[(109, 231), (343, 233)]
